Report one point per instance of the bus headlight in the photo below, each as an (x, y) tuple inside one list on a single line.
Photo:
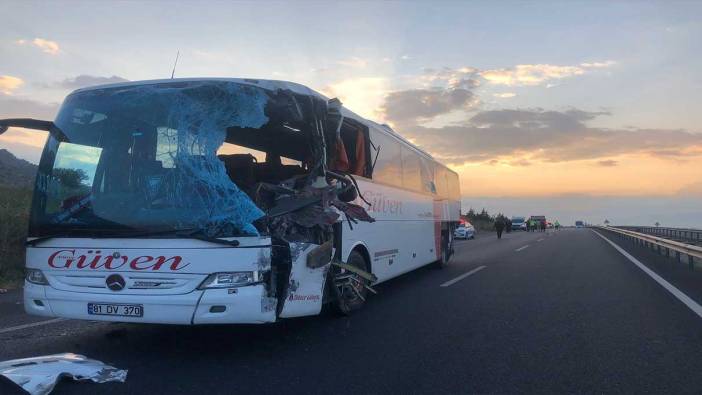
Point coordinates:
[(230, 279), (35, 276)]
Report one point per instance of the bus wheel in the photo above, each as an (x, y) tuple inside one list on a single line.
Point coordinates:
[(350, 288), (446, 249)]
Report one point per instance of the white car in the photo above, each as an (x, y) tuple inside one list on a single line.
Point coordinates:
[(464, 231)]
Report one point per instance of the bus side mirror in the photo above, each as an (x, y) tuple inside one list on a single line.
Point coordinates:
[(36, 124)]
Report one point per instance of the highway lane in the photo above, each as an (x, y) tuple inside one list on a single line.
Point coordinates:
[(566, 314)]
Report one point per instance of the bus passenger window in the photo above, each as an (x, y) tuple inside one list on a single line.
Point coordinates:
[(388, 167), (427, 175), (441, 182), (454, 189), (411, 178)]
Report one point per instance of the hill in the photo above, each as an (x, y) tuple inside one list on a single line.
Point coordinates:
[(15, 172)]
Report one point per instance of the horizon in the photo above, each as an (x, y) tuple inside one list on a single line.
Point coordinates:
[(518, 100)]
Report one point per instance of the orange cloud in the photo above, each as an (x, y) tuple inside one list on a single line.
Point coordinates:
[(537, 74), (8, 84), (47, 46)]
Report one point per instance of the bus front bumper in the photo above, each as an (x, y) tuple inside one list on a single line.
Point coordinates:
[(243, 305)]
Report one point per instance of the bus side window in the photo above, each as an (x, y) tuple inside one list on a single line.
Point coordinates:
[(388, 167), (427, 175), (352, 155), (441, 182), (411, 178), (454, 188)]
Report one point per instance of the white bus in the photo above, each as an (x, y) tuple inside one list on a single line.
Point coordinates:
[(201, 201)]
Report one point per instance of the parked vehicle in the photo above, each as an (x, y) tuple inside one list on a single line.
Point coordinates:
[(519, 223), (464, 231), (540, 221)]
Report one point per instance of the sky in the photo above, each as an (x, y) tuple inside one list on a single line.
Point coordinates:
[(577, 110)]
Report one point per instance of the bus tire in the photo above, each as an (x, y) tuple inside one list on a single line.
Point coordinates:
[(349, 288), (446, 249)]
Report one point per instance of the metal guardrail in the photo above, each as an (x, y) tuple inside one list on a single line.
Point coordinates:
[(693, 236), (680, 248)]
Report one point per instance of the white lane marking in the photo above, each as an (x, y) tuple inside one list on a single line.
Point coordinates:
[(522, 248), (462, 276), (694, 306), (540, 240), (32, 325)]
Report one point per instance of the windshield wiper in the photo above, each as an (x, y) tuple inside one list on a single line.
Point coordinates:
[(40, 239), (186, 233)]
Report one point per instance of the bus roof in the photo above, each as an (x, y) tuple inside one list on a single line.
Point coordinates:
[(271, 85)]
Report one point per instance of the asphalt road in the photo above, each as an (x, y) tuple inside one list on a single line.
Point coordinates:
[(567, 314)]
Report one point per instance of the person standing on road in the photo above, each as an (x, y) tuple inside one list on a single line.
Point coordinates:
[(499, 226)]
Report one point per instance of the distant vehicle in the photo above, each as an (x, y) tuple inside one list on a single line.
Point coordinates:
[(579, 224), (519, 223), (540, 220), (464, 231), (549, 225)]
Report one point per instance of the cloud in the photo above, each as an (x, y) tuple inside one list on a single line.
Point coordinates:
[(537, 134), (420, 105), (537, 74), (608, 163), (84, 80), (598, 65), (519, 75), (507, 95), (520, 162), (529, 74), (9, 84), (47, 46), (15, 107), (463, 77)]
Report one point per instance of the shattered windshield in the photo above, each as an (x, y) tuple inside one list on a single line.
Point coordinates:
[(145, 157)]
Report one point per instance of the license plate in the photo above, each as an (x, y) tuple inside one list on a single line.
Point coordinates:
[(122, 310)]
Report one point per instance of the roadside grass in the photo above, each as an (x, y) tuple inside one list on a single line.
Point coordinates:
[(14, 217)]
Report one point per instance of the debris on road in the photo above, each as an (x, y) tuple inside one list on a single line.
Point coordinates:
[(39, 375)]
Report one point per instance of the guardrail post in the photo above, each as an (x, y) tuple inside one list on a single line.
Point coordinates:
[(691, 262), (677, 256)]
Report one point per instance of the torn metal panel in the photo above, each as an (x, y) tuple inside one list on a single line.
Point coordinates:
[(305, 290), (39, 375)]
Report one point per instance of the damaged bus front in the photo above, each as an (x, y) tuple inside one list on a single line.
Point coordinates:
[(190, 202)]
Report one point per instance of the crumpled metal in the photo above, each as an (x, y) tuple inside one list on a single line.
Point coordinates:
[(297, 212), (39, 375)]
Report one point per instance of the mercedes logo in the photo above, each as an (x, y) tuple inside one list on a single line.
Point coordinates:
[(115, 282)]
